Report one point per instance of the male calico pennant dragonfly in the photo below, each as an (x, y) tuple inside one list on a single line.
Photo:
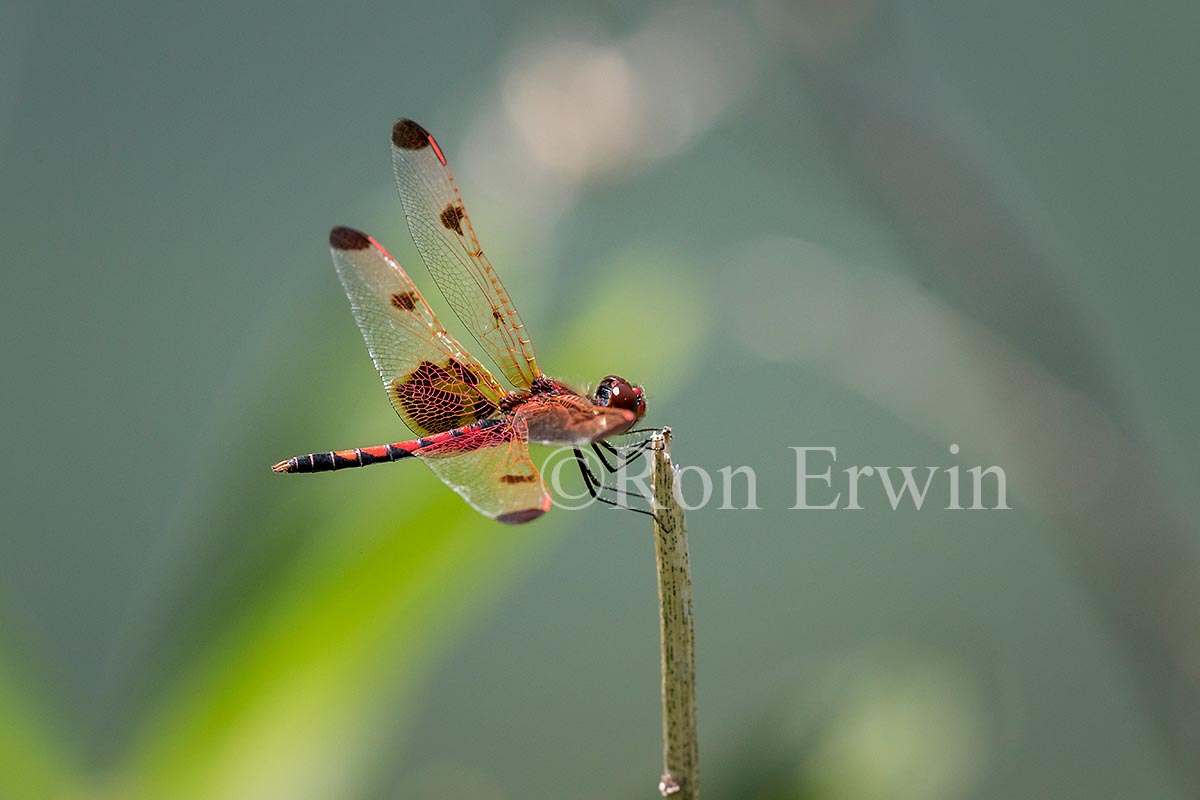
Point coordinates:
[(471, 432)]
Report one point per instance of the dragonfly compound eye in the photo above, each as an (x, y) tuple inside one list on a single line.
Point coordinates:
[(616, 392)]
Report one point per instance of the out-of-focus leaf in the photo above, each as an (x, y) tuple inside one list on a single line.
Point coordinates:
[(287, 704), (33, 761)]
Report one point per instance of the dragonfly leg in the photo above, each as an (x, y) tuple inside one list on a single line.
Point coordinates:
[(595, 486), (594, 483), (642, 430), (624, 455)]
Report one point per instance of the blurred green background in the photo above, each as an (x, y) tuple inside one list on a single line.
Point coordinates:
[(884, 227)]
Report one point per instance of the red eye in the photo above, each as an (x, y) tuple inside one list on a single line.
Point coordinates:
[(616, 392)]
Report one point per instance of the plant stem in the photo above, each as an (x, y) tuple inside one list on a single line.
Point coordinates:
[(680, 756)]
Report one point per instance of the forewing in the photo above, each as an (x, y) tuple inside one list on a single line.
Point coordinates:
[(446, 240), (433, 384), (492, 470)]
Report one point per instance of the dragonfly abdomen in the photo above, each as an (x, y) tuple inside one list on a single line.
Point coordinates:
[(364, 456), (342, 459)]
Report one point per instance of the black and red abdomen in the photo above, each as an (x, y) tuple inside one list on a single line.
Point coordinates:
[(468, 437), (341, 459)]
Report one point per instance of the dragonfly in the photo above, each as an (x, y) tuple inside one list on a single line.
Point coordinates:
[(471, 431)]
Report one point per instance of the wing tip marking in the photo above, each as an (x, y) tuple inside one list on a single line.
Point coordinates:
[(408, 135), (520, 517), (341, 238)]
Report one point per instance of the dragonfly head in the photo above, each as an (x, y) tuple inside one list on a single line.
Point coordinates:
[(616, 392)]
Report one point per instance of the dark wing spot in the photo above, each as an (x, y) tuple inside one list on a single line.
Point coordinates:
[(348, 239), (438, 398), (404, 301), (408, 135), (452, 217), (466, 375), (516, 478), (518, 517), (483, 408)]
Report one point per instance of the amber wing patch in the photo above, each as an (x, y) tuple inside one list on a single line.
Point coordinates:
[(439, 397)]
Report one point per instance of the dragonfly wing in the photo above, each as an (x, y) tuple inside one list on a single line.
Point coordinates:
[(445, 237), (491, 469), (433, 383)]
